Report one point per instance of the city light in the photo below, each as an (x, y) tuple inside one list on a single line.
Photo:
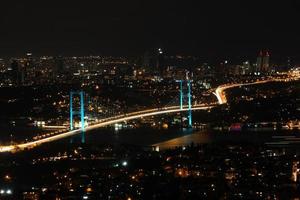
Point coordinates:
[(6, 192), (124, 163)]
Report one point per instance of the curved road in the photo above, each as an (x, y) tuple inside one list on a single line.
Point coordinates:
[(220, 94)]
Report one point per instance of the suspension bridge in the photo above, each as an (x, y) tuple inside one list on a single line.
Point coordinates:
[(219, 92)]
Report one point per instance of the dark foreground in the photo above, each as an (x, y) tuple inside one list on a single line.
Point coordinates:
[(208, 171)]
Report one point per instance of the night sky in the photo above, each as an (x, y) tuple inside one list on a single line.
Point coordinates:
[(204, 28)]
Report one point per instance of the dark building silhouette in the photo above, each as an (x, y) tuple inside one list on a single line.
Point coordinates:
[(16, 73), (266, 62), (58, 65), (263, 62), (153, 61)]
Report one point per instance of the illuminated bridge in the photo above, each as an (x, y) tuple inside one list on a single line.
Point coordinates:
[(102, 123), (219, 92)]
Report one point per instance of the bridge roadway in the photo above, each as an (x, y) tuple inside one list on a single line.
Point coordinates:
[(102, 123)]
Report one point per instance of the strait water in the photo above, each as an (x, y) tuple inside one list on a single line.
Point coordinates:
[(174, 138), (169, 138)]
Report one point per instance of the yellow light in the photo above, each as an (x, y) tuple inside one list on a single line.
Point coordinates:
[(7, 177)]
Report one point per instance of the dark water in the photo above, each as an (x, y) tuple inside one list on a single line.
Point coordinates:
[(255, 138), (140, 136), (166, 138), (172, 138)]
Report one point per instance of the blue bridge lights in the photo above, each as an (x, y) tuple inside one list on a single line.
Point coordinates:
[(186, 94), (79, 112)]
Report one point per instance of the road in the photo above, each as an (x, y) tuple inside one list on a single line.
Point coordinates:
[(221, 96)]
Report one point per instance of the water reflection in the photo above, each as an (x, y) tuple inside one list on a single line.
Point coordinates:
[(198, 137)]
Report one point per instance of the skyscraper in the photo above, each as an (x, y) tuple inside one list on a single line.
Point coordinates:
[(265, 63), (59, 65), (15, 72), (259, 61), (160, 61)]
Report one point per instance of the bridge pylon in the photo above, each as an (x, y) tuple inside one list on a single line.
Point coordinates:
[(79, 112), (188, 95)]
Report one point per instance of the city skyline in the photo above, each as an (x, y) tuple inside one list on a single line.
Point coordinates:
[(273, 59)]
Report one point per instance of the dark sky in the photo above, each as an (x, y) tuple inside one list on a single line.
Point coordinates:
[(206, 28)]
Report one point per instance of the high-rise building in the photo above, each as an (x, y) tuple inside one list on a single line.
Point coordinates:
[(259, 61), (15, 73), (160, 61), (246, 68), (153, 61), (29, 60), (27, 68), (59, 65), (288, 65), (265, 63)]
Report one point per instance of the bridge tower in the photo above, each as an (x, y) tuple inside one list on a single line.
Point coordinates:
[(189, 98), (189, 102), (181, 95), (77, 112)]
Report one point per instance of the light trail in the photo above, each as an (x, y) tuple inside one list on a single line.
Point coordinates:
[(220, 94), (102, 123)]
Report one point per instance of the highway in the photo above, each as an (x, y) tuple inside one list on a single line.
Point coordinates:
[(221, 96)]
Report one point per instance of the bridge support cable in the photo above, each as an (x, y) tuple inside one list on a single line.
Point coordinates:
[(181, 95), (186, 94), (82, 117)]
